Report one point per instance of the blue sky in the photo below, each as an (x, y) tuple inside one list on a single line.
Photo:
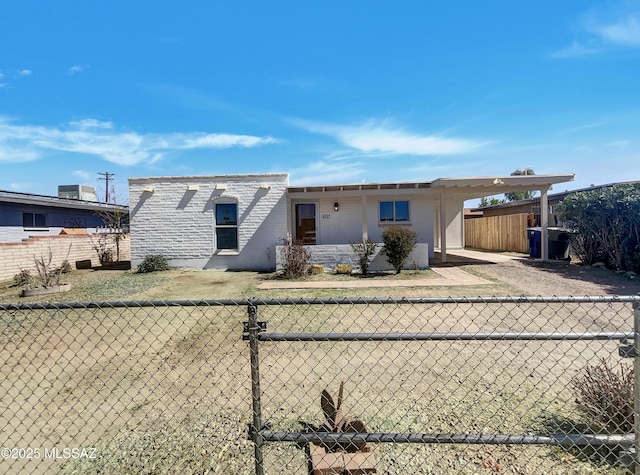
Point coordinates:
[(330, 92)]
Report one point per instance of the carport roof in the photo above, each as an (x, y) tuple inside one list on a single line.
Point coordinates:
[(474, 187)]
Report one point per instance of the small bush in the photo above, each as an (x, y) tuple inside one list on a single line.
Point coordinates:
[(64, 268), (296, 260), (153, 263), (606, 395), (317, 269), (399, 241), (365, 250), (23, 278), (344, 269)]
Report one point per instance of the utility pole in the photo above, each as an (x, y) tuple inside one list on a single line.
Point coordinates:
[(106, 176)]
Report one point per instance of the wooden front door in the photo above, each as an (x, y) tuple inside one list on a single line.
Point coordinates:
[(306, 223)]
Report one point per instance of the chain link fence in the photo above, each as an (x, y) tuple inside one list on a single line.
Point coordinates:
[(425, 386)]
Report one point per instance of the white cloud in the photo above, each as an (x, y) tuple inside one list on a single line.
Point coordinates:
[(23, 143), (604, 28), (376, 136), (623, 31), (20, 186), (619, 144), (91, 123), (83, 175), (11, 154), (25, 72), (221, 141), (576, 50), (584, 149), (331, 170), (76, 69)]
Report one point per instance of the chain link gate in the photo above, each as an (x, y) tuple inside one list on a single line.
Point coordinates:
[(591, 325), (441, 385)]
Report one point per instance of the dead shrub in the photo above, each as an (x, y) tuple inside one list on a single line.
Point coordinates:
[(344, 269), (605, 394), (296, 259)]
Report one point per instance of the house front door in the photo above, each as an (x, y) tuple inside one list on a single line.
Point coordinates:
[(306, 223)]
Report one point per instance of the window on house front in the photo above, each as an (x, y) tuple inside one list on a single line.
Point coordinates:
[(394, 211), (226, 226), (34, 220)]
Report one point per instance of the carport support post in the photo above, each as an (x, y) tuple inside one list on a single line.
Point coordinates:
[(254, 329), (443, 230), (544, 224), (636, 384)]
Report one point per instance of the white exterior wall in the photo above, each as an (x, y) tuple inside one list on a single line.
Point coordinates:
[(342, 226), (455, 222), (328, 256), (180, 224), (345, 225)]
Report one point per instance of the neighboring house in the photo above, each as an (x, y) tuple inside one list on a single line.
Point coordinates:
[(241, 221), (25, 215)]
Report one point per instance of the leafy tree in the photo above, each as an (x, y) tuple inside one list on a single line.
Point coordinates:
[(398, 244), (489, 201), (607, 223), (520, 195)]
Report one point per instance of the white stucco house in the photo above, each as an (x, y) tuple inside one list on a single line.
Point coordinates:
[(234, 222)]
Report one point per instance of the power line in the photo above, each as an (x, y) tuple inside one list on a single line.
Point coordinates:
[(106, 176)]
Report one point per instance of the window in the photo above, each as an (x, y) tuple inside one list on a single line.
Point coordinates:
[(226, 226), (34, 220), (394, 211)]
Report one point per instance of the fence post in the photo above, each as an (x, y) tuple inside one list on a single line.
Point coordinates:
[(254, 329), (636, 384)]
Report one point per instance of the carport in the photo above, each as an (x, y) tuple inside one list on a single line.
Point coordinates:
[(453, 192)]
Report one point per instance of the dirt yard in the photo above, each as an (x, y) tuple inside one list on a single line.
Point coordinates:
[(167, 389)]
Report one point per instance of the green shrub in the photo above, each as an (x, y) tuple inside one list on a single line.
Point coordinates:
[(605, 395), (153, 263), (344, 269), (607, 221), (23, 278), (399, 241), (365, 250)]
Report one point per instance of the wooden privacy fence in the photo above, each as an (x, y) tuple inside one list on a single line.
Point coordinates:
[(498, 233)]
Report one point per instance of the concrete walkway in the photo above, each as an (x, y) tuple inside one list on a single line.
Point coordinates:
[(449, 276), (469, 256)]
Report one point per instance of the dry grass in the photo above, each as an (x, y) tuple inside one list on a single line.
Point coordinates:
[(167, 389)]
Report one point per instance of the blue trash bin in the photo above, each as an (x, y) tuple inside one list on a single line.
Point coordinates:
[(535, 239)]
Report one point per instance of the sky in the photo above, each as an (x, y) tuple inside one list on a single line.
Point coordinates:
[(327, 91)]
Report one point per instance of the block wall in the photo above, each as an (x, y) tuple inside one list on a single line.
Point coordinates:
[(174, 217), (15, 256)]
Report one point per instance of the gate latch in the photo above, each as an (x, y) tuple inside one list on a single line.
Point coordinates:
[(246, 329), (627, 351)]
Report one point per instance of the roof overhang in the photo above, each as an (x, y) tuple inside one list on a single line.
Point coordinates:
[(477, 187), (467, 188), (42, 200)]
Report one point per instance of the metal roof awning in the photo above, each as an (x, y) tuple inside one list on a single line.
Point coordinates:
[(359, 187), (474, 187)]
